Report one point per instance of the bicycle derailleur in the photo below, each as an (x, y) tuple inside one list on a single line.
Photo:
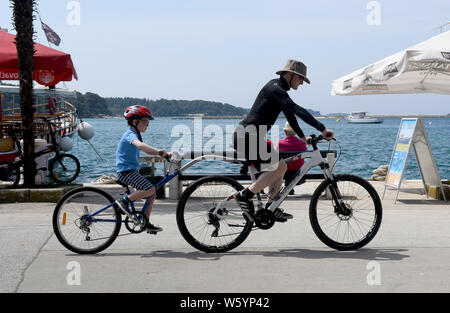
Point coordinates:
[(214, 220)]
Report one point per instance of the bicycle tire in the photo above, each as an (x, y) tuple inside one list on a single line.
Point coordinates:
[(58, 221), (233, 212), (9, 174), (67, 176), (365, 217)]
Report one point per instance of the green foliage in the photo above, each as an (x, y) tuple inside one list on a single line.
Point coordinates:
[(92, 105)]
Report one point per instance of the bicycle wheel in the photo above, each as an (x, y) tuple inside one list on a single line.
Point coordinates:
[(64, 168), (210, 233), (353, 225), (80, 234), (9, 175)]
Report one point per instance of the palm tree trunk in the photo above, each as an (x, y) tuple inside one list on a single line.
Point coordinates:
[(23, 23)]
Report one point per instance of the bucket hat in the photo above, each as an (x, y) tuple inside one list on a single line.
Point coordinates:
[(295, 67)]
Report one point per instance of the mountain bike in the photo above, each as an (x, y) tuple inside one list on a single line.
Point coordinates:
[(64, 168), (345, 210)]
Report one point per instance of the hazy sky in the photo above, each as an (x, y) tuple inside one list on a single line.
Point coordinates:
[(227, 50)]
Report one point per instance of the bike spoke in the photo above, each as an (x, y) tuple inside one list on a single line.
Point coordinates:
[(76, 230), (213, 231), (348, 224)]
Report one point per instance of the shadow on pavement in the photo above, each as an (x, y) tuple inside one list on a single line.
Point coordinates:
[(424, 202), (383, 254)]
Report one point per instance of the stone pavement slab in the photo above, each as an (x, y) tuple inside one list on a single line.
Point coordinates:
[(409, 254)]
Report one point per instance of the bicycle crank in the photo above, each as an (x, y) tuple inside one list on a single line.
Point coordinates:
[(137, 223), (264, 219)]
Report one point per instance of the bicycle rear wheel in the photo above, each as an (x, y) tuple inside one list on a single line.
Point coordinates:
[(205, 232), (85, 235), (353, 225), (64, 168)]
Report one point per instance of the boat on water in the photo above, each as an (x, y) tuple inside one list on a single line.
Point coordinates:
[(55, 104), (361, 118), (50, 67)]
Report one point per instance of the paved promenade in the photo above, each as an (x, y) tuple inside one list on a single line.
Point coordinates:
[(410, 253)]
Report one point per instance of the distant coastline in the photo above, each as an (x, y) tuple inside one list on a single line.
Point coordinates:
[(388, 116), (231, 117)]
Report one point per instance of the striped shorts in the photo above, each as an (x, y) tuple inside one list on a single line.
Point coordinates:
[(134, 179)]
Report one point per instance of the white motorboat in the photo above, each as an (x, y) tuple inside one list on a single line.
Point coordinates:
[(361, 118)]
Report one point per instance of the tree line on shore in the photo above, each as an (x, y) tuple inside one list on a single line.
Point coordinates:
[(93, 105)]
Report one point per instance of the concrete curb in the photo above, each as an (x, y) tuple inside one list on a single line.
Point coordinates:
[(48, 195)]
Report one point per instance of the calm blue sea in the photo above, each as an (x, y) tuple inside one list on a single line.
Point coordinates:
[(364, 147)]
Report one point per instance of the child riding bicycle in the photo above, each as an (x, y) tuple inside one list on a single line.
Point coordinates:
[(127, 161)]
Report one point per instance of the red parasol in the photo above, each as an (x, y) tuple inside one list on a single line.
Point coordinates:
[(50, 66)]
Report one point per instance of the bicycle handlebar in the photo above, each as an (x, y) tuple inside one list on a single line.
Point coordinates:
[(314, 140), (167, 157)]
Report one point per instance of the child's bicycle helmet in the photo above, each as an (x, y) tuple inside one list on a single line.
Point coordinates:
[(137, 111)]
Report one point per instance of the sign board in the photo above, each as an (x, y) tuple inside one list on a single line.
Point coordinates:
[(412, 134)]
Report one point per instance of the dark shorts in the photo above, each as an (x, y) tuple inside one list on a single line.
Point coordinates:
[(256, 150), (134, 179)]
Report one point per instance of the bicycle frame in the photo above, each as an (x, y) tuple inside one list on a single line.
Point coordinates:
[(166, 179), (314, 156)]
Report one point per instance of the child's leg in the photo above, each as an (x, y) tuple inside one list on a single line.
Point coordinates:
[(144, 189), (141, 194), (150, 206)]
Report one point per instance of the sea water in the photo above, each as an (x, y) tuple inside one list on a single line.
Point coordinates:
[(361, 148)]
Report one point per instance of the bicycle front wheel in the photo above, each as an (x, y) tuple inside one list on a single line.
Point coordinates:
[(64, 168), (80, 233), (351, 224), (205, 231)]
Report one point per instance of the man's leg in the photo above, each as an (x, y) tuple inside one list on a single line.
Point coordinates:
[(269, 178), (274, 189)]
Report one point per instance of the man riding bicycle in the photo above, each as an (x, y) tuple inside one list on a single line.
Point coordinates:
[(249, 137)]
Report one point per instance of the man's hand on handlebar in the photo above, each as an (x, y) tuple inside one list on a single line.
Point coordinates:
[(306, 140), (328, 134)]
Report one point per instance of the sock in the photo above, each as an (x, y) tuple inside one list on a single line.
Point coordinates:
[(247, 193)]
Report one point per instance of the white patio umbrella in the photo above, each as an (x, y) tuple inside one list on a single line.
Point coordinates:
[(423, 68)]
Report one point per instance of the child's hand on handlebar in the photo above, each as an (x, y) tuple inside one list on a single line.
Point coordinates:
[(163, 153)]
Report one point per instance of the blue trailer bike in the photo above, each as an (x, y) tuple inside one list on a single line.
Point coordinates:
[(345, 211)]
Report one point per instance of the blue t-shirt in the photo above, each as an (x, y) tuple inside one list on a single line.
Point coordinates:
[(127, 155)]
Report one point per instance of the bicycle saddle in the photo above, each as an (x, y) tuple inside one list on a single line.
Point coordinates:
[(121, 184)]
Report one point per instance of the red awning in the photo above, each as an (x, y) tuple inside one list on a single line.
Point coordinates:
[(50, 66)]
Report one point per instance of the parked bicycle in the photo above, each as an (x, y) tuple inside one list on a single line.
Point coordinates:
[(63, 168), (345, 211)]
